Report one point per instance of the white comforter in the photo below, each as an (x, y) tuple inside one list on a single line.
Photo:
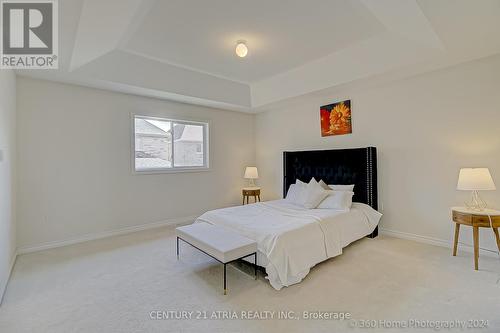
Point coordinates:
[(292, 239)]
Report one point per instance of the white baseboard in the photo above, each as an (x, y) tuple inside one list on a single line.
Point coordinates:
[(104, 234), (3, 286), (435, 241)]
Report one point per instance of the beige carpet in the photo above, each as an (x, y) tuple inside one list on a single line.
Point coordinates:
[(112, 285)]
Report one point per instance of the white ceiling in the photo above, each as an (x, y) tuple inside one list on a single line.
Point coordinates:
[(184, 49)]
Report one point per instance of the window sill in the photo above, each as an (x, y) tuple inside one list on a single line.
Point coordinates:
[(166, 171)]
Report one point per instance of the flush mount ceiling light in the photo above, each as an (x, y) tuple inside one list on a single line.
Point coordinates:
[(241, 49)]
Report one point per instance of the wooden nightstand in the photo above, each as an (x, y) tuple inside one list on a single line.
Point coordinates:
[(475, 219), (251, 192)]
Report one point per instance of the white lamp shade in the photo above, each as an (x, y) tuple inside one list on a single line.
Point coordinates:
[(475, 179), (251, 173)]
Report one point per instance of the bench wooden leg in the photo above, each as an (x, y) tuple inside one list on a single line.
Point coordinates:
[(225, 290), (455, 243)]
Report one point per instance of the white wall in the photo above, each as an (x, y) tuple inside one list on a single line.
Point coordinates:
[(75, 174), (425, 128), (7, 175)]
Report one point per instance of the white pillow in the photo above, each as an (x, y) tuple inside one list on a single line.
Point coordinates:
[(314, 194), (296, 193), (293, 193), (338, 200), (349, 188), (300, 183), (323, 185)]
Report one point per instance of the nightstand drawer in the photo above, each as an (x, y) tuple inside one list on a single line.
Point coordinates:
[(484, 221), (481, 219), (251, 192), (462, 218)]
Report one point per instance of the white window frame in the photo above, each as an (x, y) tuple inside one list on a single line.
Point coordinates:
[(174, 169)]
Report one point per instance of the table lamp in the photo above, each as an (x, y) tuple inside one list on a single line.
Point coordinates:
[(251, 173), (475, 179)]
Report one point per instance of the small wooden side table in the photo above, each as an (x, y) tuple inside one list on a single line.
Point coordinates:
[(248, 192), (475, 219)]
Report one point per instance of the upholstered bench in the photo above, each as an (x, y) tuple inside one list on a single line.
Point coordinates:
[(219, 243)]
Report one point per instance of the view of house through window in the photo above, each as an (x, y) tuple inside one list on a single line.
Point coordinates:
[(165, 144)]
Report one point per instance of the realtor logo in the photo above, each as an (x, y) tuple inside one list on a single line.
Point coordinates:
[(29, 34)]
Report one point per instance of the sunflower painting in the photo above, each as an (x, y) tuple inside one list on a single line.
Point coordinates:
[(336, 118)]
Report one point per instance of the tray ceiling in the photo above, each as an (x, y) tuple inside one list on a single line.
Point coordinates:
[(184, 49)]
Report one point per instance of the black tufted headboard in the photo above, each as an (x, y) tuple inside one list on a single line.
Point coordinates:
[(356, 166)]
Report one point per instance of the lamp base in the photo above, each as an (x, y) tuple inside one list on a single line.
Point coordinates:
[(476, 203)]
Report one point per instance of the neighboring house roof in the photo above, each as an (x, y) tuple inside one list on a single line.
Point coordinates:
[(182, 133), (188, 133), (148, 127), (178, 131)]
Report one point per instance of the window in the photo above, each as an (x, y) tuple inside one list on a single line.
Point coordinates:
[(169, 145)]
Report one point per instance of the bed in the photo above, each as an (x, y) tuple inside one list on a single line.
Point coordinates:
[(292, 239)]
